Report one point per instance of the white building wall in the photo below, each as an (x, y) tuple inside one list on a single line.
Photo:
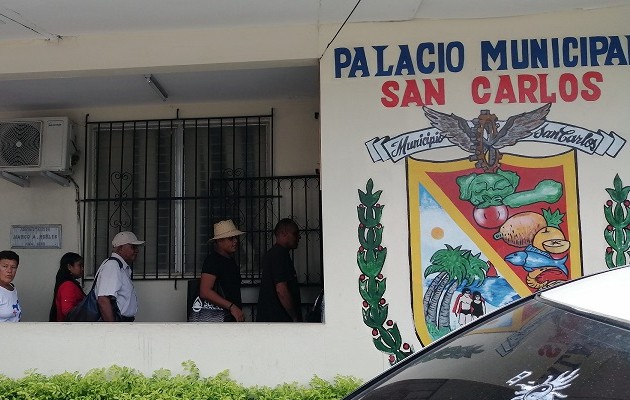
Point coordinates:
[(350, 115)]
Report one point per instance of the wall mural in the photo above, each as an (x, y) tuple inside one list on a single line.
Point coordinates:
[(485, 227), (617, 233), (492, 227), (480, 240)]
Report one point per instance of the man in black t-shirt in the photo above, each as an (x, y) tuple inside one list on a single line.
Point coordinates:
[(279, 296), (220, 282)]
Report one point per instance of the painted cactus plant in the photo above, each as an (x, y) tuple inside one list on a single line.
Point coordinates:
[(617, 232), (372, 284)]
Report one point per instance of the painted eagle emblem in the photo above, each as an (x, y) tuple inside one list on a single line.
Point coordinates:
[(484, 138)]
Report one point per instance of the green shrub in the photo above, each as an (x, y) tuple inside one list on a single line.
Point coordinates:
[(121, 383)]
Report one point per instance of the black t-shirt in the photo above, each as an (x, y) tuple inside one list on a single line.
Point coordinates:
[(228, 277), (277, 267)]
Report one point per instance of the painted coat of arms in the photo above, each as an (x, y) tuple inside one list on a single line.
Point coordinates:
[(480, 240), (491, 227)]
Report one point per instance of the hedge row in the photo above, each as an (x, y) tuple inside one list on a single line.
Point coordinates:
[(123, 383)]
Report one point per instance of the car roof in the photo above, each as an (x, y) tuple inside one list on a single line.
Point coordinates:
[(603, 294)]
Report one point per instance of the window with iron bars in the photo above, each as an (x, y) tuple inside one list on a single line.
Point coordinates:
[(169, 181)]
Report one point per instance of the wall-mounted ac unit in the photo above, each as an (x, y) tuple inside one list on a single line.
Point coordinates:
[(30, 146)]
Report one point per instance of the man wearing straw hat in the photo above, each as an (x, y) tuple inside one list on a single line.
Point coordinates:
[(220, 276)]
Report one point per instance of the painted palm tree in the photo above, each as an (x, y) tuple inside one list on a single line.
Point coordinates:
[(449, 265), (453, 267)]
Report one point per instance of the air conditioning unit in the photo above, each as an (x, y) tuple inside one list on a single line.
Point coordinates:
[(30, 146)]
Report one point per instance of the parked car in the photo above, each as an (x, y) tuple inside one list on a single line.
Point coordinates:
[(571, 341)]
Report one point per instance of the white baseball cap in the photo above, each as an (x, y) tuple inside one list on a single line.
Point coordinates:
[(123, 238)]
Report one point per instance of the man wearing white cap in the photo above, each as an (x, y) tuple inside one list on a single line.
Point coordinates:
[(114, 288)]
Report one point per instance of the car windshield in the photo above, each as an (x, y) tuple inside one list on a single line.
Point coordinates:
[(533, 351)]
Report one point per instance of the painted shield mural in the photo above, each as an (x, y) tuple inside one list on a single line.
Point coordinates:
[(483, 234), (494, 226)]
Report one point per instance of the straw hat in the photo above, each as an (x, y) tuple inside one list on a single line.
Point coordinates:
[(225, 229)]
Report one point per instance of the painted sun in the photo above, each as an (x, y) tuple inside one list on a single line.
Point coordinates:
[(437, 233)]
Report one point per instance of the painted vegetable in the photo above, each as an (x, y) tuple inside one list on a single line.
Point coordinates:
[(487, 189), (551, 231), (547, 191), (519, 230), (491, 217)]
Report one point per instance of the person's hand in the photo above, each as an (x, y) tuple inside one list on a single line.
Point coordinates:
[(237, 313)]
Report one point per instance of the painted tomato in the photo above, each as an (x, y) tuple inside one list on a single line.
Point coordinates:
[(491, 217)]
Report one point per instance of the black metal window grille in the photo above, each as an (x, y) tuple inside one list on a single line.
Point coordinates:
[(170, 180)]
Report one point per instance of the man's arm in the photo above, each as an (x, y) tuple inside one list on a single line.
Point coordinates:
[(107, 285), (282, 289), (207, 292), (105, 305)]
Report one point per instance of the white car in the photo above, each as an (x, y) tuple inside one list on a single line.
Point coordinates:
[(571, 341)]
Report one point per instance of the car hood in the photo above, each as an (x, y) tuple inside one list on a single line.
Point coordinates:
[(603, 294)]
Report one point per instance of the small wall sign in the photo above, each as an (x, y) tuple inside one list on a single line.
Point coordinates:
[(35, 236)]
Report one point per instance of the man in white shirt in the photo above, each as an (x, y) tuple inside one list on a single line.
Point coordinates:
[(113, 280)]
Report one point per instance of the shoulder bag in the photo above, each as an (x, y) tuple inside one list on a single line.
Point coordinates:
[(204, 311), (87, 310)]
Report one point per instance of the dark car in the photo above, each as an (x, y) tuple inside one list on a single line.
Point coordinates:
[(572, 341)]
